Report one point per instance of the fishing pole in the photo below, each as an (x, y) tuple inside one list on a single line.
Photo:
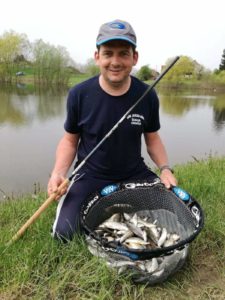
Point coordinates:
[(66, 182)]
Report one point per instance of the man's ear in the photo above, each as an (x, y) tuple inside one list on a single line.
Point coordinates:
[(136, 55), (96, 57)]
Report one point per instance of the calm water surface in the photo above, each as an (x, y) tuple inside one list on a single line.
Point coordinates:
[(31, 124)]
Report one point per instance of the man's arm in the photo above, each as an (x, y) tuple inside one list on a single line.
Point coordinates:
[(157, 152), (65, 155)]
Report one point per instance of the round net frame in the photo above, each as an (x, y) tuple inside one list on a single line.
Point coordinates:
[(147, 199)]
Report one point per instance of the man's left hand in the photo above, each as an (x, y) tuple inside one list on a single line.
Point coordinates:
[(167, 178)]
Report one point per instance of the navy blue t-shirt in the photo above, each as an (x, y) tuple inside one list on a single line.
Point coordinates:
[(92, 113)]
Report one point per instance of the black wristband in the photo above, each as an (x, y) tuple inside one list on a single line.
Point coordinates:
[(166, 167)]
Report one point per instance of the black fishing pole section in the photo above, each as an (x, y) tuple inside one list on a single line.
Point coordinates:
[(123, 117)]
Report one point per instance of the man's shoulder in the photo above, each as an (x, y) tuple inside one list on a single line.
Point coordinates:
[(137, 81), (142, 86), (84, 85)]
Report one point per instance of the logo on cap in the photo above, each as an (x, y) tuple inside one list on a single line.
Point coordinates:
[(117, 25)]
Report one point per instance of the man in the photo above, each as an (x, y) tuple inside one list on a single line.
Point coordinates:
[(93, 108)]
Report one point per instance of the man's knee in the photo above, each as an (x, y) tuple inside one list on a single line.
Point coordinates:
[(63, 232)]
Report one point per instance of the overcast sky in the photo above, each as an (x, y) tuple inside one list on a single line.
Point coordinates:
[(164, 28)]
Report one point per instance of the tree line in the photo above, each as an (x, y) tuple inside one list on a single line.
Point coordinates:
[(49, 64), (186, 69)]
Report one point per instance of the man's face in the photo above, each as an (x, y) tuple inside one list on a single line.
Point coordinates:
[(115, 60)]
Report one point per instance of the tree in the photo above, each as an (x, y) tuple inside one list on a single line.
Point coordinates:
[(222, 64), (91, 68), (185, 69), (12, 46), (145, 73), (50, 63)]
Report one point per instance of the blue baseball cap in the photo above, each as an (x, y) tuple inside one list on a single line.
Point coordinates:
[(116, 30)]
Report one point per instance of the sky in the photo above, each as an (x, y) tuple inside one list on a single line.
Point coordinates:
[(164, 28)]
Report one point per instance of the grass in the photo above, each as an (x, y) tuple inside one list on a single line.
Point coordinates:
[(37, 267), (75, 79), (28, 79)]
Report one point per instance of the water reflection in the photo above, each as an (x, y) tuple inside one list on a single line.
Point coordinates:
[(20, 106), (177, 104), (51, 103), (31, 124), (219, 113), (219, 119)]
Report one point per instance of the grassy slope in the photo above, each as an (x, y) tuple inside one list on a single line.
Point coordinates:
[(36, 267)]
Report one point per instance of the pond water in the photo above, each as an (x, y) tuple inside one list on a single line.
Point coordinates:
[(31, 124)]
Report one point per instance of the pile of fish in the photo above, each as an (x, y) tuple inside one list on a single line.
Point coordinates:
[(134, 232)]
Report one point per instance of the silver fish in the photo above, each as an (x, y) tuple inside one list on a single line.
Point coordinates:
[(122, 270), (140, 265), (171, 239), (114, 218), (162, 237), (130, 225), (175, 237), (126, 235), (151, 265), (134, 245), (134, 219), (136, 240), (158, 273), (137, 231), (114, 225), (122, 263), (153, 234), (126, 216), (109, 238), (168, 243), (146, 224)]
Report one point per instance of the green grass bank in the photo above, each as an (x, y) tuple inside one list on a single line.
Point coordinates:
[(37, 267)]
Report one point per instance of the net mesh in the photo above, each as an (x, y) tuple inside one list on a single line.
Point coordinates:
[(154, 199), (153, 202)]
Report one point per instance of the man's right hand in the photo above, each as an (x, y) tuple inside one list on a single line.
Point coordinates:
[(54, 182)]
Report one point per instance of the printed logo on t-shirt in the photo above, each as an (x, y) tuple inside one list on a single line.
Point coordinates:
[(135, 119)]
